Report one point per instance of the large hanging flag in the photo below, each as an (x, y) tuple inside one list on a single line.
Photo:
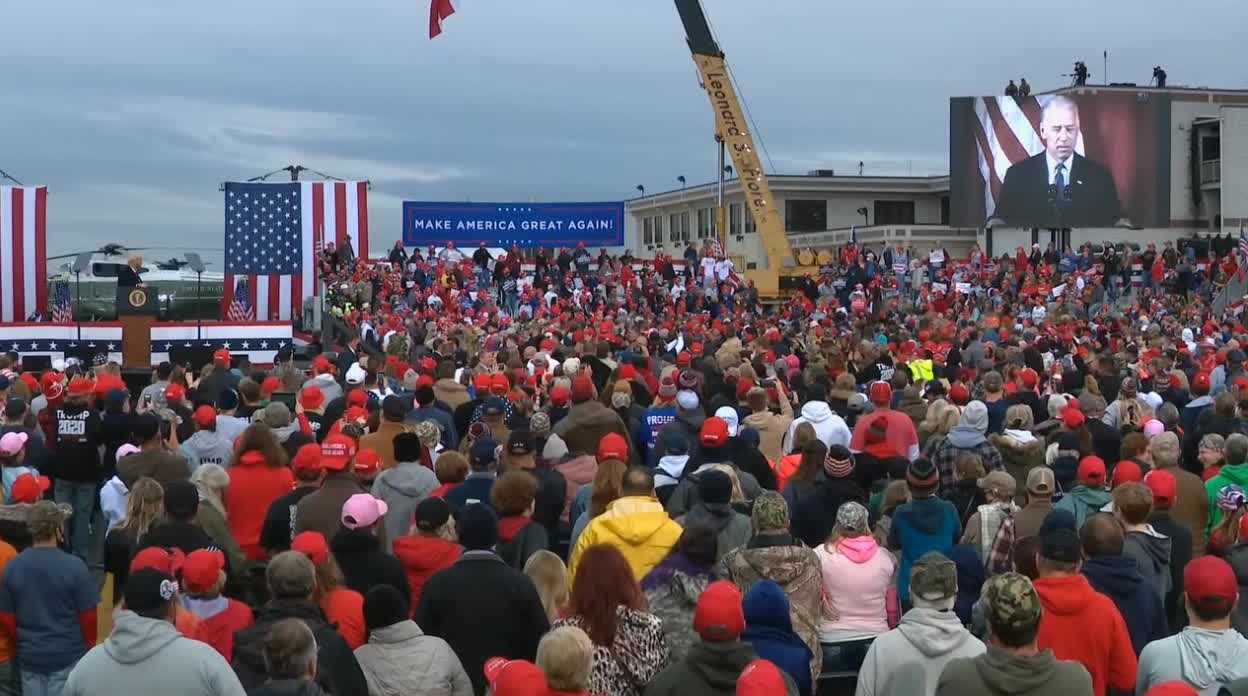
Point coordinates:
[(23, 252), (62, 306), (439, 10), (273, 232)]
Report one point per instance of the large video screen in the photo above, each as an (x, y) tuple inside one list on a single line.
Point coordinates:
[(1055, 161)]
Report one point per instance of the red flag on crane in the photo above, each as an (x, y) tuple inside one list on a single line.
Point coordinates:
[(439, 10)]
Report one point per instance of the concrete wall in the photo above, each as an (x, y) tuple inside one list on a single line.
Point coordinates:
[(1182, 113), (1234, 192)]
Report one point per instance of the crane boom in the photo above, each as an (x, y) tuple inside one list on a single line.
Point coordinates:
[(732, 128)]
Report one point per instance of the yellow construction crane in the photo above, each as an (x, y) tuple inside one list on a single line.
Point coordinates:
[(733, 133)]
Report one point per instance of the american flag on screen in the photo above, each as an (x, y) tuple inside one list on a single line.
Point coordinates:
[(62, 306), (240, 307), (273, 232), (1007, 131), (23, 252)]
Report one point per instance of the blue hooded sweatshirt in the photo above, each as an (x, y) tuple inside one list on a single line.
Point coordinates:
[(769, 628), (1119, 578), (919, 526)]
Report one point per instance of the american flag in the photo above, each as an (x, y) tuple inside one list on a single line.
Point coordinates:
[(23, 252), (1243, 241), (1006, 132), (62, 307), (273, 232), (240, 307)]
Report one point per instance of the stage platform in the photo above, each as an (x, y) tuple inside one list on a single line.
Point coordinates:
[(259, 341)]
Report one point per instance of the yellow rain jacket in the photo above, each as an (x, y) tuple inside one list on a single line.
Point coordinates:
[(636, 525)]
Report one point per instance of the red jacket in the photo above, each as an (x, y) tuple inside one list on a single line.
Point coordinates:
[(254, 485), (1083, 625), (218, 630), (345, 609), (422, 556)]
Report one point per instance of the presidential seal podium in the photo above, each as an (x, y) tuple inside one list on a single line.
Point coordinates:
[(137, 309)]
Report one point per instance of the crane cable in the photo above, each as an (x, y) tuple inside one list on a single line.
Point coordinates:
[(744, 102)]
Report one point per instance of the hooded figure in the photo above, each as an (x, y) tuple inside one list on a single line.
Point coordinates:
[(968, 436), (769, 629), (908, 660), (829, 427), (714, 509)]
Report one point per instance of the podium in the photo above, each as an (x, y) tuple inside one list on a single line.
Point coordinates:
[(137, 309)]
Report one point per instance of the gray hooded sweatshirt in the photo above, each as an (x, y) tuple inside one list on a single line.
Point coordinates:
[(1205, 659), (207, 447), (148, 657), (908, 660), (402, 488)]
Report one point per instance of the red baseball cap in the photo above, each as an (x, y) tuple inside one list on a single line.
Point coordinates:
[(582, 389), (481, 382), (683, 360), (204, 416), (959, 394), (201, 570), (221, 356), (424, 381), (1209, 582), (1127, 471), (322, 365), (270, 385), (168, 561), (80, 386), (1029, 377), (1201, 381), (357, 397), (760, 678), (719, 615), (613, 446), (308, 458), (173, 392), (312, 397), (881, 393), (1164, 486), (367, 462), (515, 678), (336, 452), (29, 488), (714, 432), (628, 371), (1092, 470), (312, 545), (499, 384), (559, 396), (1072, 417)]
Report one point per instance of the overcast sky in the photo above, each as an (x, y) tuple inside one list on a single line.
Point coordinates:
[(133, 111)]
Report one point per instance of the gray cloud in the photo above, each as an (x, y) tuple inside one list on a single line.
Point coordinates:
[(133, 112)]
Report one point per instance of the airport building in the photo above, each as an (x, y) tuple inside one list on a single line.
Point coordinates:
[(1197, 139)]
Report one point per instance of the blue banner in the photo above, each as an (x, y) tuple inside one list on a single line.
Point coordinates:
[(504, 224)]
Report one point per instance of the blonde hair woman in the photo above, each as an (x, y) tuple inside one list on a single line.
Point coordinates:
[(212, 480), (550, 577), (144, 507)]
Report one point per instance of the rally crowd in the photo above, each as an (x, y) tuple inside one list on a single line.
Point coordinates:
[(601, 477)]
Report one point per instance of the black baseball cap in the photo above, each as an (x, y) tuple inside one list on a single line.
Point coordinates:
[(148, 589), (432, 513), (520, 443), (393, 408), (493, 406)]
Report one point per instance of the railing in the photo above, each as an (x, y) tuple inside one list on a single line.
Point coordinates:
[(920, 235), (1211, 171)]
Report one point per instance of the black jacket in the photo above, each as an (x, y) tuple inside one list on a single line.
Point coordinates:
[(1027, 200), (1118, 577), (365, 565), (185, 536), (336, 669), (552, 493), (814, 516), (709, 669), (119, 550), (279, 521), (479, 590), (1180, 554)]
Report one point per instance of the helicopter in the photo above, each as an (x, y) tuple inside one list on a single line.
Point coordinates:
[(93, 291)]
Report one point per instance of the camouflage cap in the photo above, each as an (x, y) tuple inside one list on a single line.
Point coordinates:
[(428, 432), (539, 423), (770, 512), (1011, 602), (934, 577)]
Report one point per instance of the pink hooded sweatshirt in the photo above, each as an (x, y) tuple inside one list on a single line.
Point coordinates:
[(857, 575)]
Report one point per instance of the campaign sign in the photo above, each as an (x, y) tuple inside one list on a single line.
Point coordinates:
[(505, 224)]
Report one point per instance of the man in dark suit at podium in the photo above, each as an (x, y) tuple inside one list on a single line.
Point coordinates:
[(1058, 188), (128, 275)]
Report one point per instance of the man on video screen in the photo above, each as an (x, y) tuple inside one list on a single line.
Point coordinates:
[(1057, 187)]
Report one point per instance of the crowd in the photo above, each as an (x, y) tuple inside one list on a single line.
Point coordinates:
[(1024, 476)]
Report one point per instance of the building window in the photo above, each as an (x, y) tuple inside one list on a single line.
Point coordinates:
[(647, 231), (658, 229), (706, 223), (734, 219), (894, 213), (749, 219), (1210, 148), (944, 210), (806, 215)]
